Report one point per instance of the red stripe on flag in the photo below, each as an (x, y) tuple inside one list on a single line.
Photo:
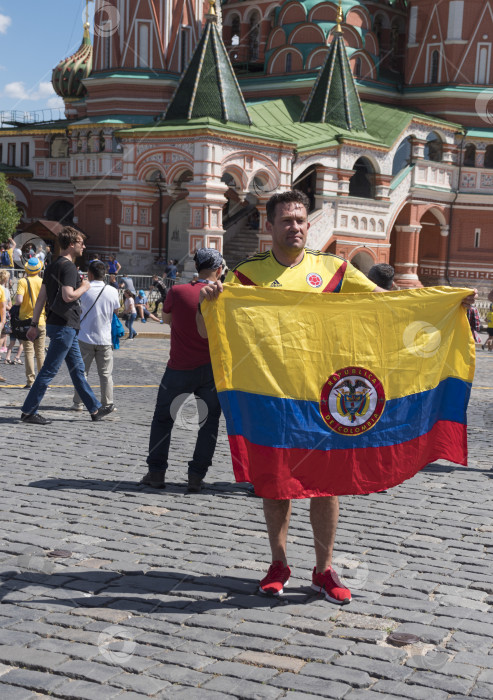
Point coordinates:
[(336, 279), (246, 281), (283, 473)]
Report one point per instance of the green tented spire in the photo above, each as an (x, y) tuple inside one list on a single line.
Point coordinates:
[(334, 98), (208, 87)]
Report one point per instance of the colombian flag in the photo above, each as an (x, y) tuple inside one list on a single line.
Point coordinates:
[(331, 394)]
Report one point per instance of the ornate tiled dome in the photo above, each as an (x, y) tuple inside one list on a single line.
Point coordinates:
[(70, 72)]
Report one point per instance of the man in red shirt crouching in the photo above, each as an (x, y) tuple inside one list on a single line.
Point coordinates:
[(188, 371)]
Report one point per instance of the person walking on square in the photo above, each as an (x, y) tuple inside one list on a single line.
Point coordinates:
[(97, 307), (130, 312), (61, 291), (27, 293), (189, 371)]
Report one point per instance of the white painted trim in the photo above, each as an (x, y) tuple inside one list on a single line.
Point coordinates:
[(477, 77), (472, 40)]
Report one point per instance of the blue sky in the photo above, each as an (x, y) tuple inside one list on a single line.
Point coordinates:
[(34, 36)]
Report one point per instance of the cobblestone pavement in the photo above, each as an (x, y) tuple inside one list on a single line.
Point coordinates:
[(157, 598)]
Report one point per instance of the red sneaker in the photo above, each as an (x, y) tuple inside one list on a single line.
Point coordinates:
[(329, 584), (277, 577)]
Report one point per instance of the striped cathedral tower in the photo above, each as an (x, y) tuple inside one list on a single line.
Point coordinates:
[(139, 48)]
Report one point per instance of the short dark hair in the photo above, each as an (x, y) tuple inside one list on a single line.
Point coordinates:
[(382, 274), (97, 269), (285, 198), (69, 235)]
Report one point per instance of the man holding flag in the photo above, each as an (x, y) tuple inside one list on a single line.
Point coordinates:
[(281, 472)]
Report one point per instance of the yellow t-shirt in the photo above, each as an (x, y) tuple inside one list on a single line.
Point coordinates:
[(489, 318), (26, 310), (317, 272), (2, 294)]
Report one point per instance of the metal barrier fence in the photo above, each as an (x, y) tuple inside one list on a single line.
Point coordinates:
[(140, 282)]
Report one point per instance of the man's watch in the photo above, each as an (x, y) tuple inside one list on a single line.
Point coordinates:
[(33, 324)]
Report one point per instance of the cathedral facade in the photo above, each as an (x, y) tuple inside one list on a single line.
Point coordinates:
[(182, 117)]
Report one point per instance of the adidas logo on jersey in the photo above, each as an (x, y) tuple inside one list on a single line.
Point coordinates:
[(275, 283)]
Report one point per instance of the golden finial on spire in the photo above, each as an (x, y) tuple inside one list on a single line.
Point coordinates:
[(212, 7), (340, 18), (87, 24)]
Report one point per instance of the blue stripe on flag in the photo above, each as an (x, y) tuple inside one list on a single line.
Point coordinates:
[(298, 424)]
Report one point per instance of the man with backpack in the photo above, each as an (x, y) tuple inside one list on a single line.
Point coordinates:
[(7, 254), (61, 291), (97, 307)]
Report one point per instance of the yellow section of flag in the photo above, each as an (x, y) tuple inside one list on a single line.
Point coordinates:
[(286, 344)]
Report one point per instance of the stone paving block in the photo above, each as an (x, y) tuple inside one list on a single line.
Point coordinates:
[(195, 694), (241, 670), (81, 651), (482, 690), (199, 634), (376, 668), (179, 675), (194, 661), (311, 684), (442, 682), (358, 634), (260, 630), (241, 688), (89, 671), (14, 693), (31, 658), (33, 680), (139, 683), (307, 653), (415, 692), (271, 660), (242, 641), (358, 679), (83, 690), (215, 651)]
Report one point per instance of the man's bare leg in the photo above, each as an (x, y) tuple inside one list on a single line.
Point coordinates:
[(277, 515), (324, 514)]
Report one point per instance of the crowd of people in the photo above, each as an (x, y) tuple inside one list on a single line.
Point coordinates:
[(18, 298)]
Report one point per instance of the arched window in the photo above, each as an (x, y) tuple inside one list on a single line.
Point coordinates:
[(434, 147), (377, 30), (434, 67), (470, 155), (253, 37), (307, 183), (357, 67), (488, 157), (403, 156), (235, 31), (289, 62), (362, 182)]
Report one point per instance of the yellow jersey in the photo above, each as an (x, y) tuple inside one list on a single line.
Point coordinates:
[(317, 272), (2, 294), (26, 308), (489, 318)]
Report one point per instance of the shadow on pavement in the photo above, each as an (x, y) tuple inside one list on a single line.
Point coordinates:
[(54, 484), (139, 592)]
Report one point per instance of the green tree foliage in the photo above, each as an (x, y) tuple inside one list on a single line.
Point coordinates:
[(9, 214)]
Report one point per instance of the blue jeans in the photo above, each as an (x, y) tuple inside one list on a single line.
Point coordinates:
[(130, 325), (176, 385), (63, 346)]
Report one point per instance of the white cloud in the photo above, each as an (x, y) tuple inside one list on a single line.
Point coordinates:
[(17, 91), (55, 102), (5, 23)]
